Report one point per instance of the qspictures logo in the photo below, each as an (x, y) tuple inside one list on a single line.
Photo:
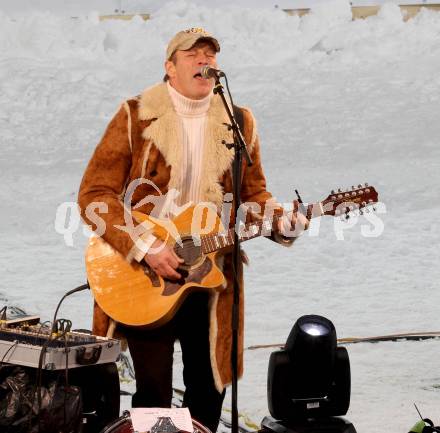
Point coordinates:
[(348, 210)]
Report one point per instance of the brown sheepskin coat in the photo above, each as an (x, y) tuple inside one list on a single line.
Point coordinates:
[(141, 142)]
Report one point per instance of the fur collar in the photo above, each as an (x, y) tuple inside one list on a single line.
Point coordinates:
[(155, 104)]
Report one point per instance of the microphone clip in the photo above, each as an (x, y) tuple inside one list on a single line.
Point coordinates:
[(210, 72)]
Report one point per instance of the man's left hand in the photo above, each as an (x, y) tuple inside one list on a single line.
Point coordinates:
[(294, 223)]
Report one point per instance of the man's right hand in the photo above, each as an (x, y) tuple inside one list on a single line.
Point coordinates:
[(163, 260)]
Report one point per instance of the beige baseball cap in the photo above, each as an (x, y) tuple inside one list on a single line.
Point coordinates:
[(185, 39)]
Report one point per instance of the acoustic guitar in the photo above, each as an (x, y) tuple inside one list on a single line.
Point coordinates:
[(132, 294)]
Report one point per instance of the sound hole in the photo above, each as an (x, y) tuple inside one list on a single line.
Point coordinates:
[(189, 252)]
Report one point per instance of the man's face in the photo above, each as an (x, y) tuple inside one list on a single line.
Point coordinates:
[(184, 71)]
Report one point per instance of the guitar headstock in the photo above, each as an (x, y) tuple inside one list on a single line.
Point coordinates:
[(342, 202)]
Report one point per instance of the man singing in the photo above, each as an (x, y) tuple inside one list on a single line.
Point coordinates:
[(172, 138)]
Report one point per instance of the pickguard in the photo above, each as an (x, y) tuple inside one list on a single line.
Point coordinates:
[(195, 275)]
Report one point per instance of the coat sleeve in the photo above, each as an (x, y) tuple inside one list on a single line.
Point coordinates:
[(254, 181), (103, 187)]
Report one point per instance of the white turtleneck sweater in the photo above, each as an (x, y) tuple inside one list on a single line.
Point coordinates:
[(192, 114)]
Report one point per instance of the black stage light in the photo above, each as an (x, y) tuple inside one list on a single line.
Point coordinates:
[(309, 381)]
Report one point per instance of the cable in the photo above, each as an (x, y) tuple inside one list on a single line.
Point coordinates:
[(66, 374), (3, 313), (9, 349), (37, 386), (229, 92), (65, 325), (38, 381), (77, 289)]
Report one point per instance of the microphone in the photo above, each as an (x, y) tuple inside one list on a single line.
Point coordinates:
[(210, 72)]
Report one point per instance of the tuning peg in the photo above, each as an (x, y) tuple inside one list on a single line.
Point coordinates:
[(332, 191), (339, 190), (359, 186), (352, 187), (347, 216), (374, 209), (366, 184), (361, 212)]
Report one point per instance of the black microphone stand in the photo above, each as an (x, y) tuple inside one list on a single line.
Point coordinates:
[(240, 147)]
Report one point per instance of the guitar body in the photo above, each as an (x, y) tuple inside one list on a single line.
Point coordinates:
[(134, 295)]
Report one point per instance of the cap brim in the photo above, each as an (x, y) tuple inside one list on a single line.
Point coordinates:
[(190, 43), (209, 39)]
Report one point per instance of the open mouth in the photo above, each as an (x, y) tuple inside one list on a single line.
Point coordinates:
[(198, 75)]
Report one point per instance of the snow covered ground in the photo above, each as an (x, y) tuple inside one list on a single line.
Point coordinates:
[(338, 102)]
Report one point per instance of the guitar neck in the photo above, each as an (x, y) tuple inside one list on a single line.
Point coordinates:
[(264, 227)]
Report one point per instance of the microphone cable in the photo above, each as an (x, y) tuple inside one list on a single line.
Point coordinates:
[(70, 292), (65, 326)]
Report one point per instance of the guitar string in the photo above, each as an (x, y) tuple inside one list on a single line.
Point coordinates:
[(206, 239)]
